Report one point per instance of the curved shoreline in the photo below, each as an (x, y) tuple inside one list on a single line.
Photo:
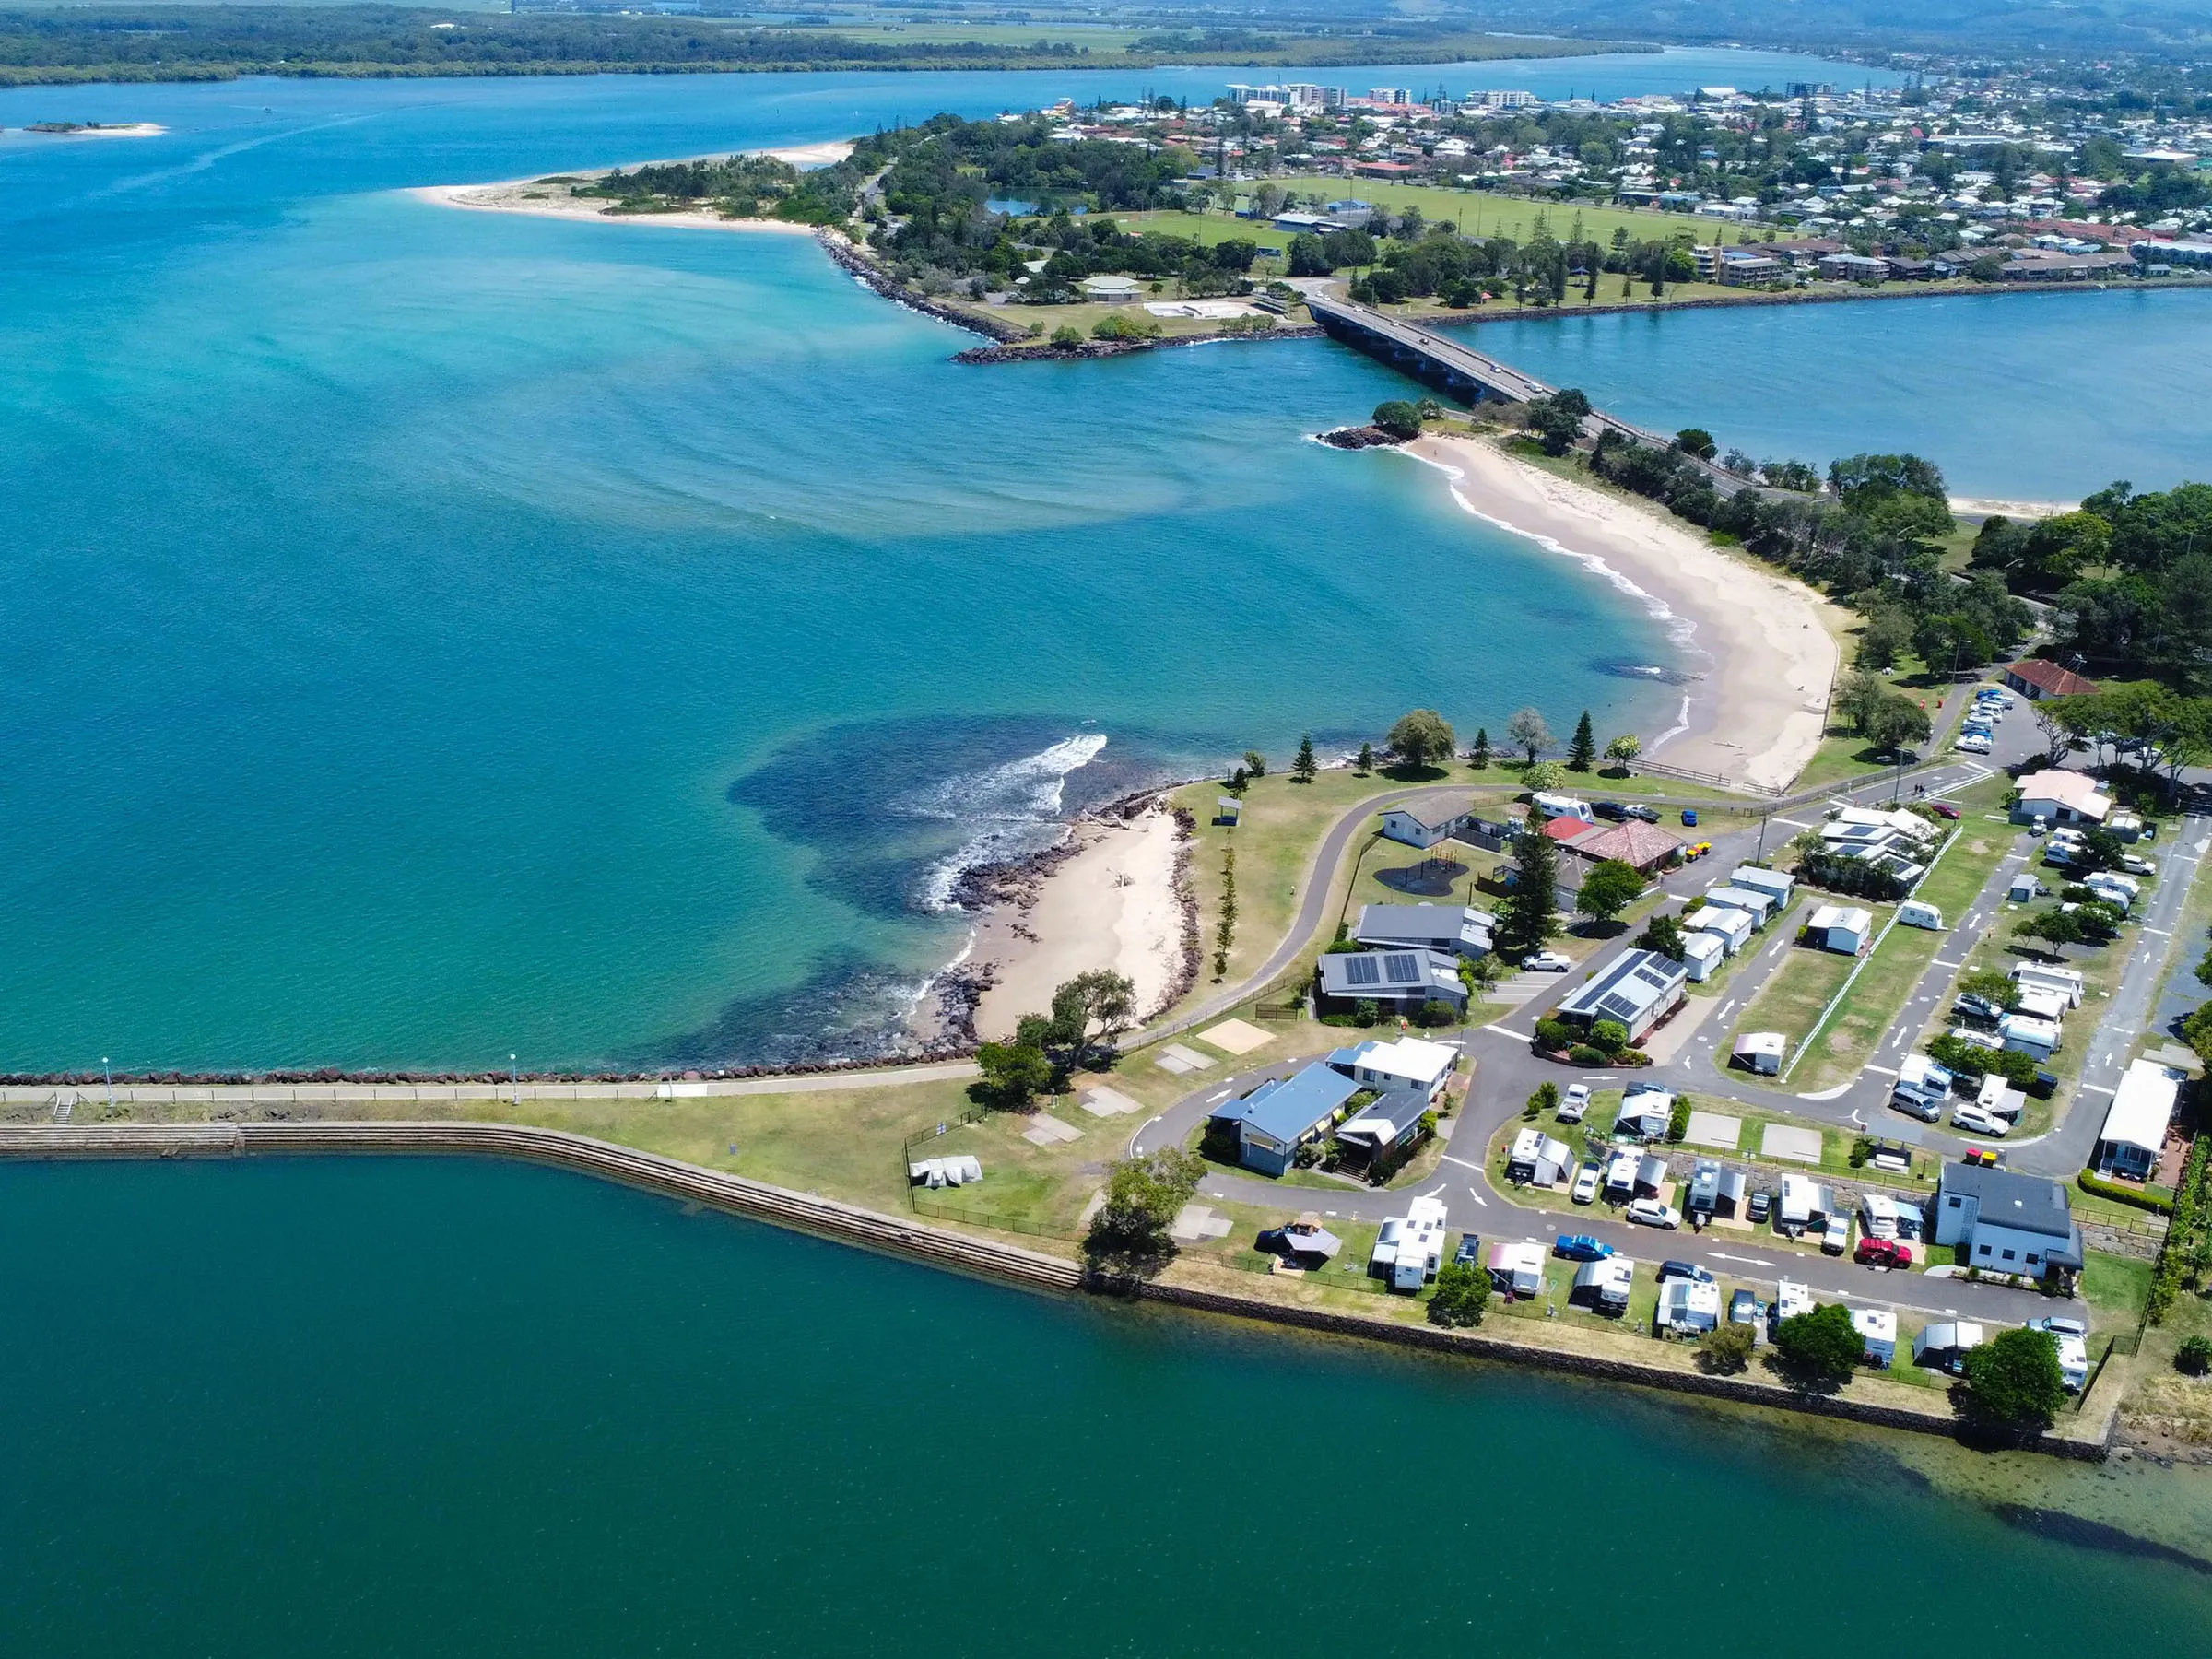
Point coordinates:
[(1757, 716)]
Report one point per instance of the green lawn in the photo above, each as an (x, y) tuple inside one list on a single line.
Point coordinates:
[(1794, 999), (1877, 997)]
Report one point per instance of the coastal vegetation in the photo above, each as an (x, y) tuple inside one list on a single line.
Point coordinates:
[(222, 42), (742, 187)]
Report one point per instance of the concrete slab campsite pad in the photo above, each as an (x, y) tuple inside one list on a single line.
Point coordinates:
[(1106, 1103), (1196, 1223), (1799, 1146), (1046, 1130), (1191, 1058), (1712, 1129), (1235, 1037)]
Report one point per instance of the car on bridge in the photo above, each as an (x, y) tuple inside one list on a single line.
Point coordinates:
[(1650, 1212), (1580, 1247)]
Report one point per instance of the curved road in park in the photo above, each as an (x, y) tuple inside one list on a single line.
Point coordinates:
[(1507, 1071)]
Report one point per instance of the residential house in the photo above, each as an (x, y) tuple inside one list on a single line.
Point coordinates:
[(1703, 954), (2009, 1223), (1409, 1063), (1385, 1124), (1639, 989), (1730, 927), (2135, 1123), (1411, 1247), (1643, 847), (1450, 929), (1761, 1052), (1402, 980), (1854, 268), (1517, 1270), (1687, 1307), (1422, 827), (1845, 928), (1283, 1114), (2036, 680), (2060, 798)]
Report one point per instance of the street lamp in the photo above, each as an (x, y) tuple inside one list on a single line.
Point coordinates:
[(110, 1076), (514, 1067)]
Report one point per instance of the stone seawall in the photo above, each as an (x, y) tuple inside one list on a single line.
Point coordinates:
[(825, 1218), (1738, 1390), (914, 1241)]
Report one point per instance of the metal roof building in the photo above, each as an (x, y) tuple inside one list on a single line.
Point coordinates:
[(1639, 989)]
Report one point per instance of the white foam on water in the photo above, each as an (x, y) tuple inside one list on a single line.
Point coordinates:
[(1011, 810)]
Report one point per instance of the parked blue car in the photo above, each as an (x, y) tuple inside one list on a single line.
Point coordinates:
[(1689, 817), (1580, 1247)]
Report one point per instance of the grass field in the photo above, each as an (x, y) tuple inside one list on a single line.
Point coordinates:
[(1792, 1000)]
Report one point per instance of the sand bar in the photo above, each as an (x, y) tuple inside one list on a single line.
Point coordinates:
[(1113, 904), (545, 198), (1756, 711), (107, 129)]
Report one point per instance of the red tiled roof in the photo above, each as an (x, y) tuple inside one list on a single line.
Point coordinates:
[(2052, 679), (1634, 843), (1567, 829)]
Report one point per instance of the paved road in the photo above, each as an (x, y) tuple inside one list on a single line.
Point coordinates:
[(1507, 1071)]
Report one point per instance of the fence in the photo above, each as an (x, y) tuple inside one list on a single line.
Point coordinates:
[(967, 1218)]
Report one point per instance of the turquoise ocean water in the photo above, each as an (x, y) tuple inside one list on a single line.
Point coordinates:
[(382, 1408), (428, 635)]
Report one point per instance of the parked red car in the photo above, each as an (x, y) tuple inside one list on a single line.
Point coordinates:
[(1944, 809), (1883, 1253)]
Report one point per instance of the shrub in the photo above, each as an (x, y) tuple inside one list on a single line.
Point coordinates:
[(1726, 1347), (1436, 1012), (1677, 1121), (1546, 1099), (1582, 1054), (1609, 1035), (1068, 335), (1554, 1034), (2194, 1357), (2120, 1192)]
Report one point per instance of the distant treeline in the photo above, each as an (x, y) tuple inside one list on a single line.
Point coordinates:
[(210, 43)]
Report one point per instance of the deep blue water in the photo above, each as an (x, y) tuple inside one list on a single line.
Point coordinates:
[(430, 635)]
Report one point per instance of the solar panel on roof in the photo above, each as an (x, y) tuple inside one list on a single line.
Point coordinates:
[(1402, 970), (1363, 970)]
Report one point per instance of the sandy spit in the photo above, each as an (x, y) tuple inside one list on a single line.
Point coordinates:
[(1757, 713), (539, 199)]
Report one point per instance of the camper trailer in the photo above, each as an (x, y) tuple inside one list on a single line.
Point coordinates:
[(1912, 912)]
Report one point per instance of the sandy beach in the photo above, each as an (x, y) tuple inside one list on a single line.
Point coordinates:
[(1982, 507), (545, 198), (1112, 903), (1757, 712)]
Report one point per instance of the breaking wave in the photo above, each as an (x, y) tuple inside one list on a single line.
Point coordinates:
[(1011, 810)]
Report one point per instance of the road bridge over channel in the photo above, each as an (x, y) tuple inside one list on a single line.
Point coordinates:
[(1471, 377)]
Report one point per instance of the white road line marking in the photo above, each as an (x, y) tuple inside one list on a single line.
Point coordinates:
[(1216, 1098), (1886, 1071), (1471, 1192), (1748, 1261), (1463, 1163), (2097, 1088)]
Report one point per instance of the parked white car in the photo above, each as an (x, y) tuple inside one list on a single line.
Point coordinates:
[(1835, 1237), (1971, 745), (1545, 962), (1586, 1185), (2134, 863), (1975, 1120), (1575, 1103), (1650, 1212)]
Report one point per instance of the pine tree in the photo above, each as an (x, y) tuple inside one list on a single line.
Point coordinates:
[(1583, 749), (1527, 918), (1303, 769), (1480, 755), (1366, 763)]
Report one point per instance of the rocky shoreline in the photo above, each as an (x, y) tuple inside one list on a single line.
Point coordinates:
[(1359, 438), (849, 254)]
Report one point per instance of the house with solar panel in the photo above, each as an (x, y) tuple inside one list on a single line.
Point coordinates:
[(1401, 981), (1638, 990)]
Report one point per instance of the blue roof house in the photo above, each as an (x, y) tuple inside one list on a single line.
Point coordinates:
[(1284, 1115)]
